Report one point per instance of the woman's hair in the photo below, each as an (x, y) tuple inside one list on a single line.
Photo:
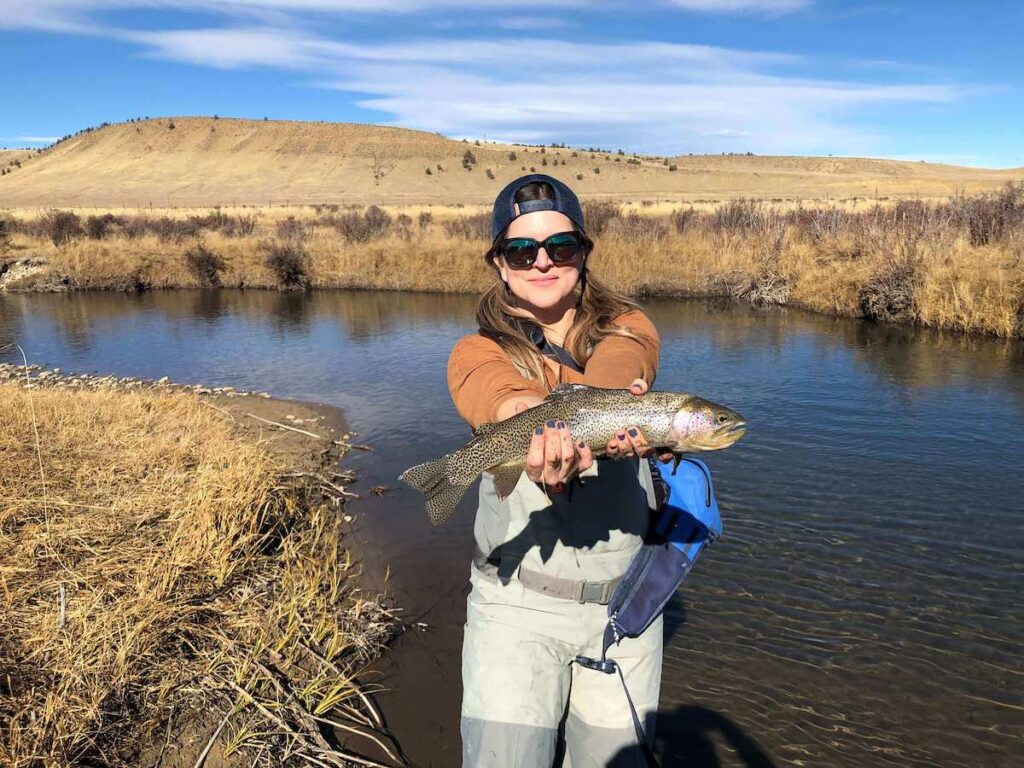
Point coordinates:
[(596, 307)]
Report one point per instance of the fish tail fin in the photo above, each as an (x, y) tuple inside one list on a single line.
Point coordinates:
[(443, 492)]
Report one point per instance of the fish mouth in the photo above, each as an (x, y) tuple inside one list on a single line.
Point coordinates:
[(727, 435)]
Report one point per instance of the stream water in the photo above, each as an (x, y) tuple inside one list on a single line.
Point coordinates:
[(864, 604)]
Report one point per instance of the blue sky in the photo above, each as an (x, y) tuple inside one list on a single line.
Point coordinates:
[(909, 79)]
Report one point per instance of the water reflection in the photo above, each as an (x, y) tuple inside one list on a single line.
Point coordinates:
[(863, 606)]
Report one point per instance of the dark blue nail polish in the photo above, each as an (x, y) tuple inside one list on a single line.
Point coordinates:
[(582, 445), (560, 425), (539, 431), (551, 423), (621, 435), (632, 433)]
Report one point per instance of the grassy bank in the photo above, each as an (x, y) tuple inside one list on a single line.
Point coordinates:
[(166, 572), (956, 264)]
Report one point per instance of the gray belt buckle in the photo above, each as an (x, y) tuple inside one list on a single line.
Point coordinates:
[(594, 592)]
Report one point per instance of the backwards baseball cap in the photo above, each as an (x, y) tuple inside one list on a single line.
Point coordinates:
[(505, 203)]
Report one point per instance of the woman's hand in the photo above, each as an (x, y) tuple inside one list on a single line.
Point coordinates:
[(631, 441), (553, 456)]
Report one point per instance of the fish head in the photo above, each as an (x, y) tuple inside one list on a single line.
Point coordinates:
[(700, 425)]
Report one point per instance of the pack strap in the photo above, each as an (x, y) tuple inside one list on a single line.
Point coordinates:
[(609, 667)]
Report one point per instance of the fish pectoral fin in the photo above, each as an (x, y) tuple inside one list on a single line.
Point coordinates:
[(506, 477)]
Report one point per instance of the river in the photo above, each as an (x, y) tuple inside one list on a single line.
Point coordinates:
[(863, 607)]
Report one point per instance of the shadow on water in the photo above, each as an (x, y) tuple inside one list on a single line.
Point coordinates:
[(689, 737)]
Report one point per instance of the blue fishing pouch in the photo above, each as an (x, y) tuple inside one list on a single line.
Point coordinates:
[(688, 521)]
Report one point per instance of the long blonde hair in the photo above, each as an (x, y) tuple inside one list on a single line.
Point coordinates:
[(597, 306)]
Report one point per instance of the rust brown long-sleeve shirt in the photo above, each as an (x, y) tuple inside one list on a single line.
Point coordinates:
[(480, 375)]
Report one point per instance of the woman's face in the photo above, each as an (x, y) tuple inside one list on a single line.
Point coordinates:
[(545, 286)]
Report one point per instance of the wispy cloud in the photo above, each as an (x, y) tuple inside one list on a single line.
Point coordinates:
[(743, 6), (31, 139), (727, 133), (650, 96), (646, 95), (530, 23)]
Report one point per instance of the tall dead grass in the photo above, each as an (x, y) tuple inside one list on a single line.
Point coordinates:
[(956, 264), (154, 561)]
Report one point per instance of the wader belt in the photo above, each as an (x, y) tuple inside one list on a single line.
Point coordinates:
[(577, 590)]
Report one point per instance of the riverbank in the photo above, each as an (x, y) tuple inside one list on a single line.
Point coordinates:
[(955, 264), (176, 586)]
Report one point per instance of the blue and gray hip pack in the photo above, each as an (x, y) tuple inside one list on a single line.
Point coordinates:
[(688, 522)]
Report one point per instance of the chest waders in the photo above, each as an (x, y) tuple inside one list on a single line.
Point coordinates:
[(689, 521)]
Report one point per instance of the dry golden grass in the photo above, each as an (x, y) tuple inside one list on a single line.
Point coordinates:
[(850, 260), (153, 559), (205, 162)]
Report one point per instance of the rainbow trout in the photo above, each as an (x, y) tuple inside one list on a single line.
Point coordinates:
[(671, 421)]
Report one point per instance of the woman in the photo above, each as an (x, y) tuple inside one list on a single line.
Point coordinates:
[(550, 554)]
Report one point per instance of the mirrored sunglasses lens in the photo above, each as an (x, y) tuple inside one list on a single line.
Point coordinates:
[(563, 249), (520, 253)]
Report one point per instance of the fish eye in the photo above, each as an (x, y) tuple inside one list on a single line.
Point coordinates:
[(722, 418)]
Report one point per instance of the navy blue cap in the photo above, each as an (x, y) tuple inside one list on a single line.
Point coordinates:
[(504, 204)]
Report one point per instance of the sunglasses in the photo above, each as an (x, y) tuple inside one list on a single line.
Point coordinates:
[(562, 248)]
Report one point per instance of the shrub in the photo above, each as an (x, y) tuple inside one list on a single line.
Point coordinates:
[(292, 230), (682, 219), (403, 226), (991, 217), (98, 227), (426, 217), (597, 170), (62, 226), (168, 229), (597, 216), (579, 177), (468, 160), (204, 265), (490, 174), (891, 293), (673, 167), (634, 227), (475, 227), (429, 172), (6, 229), (740, 216), (363, 227), (287, 262), (512, 156)]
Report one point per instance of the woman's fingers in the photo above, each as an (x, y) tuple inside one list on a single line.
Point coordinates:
[(638, 387), (586, 456), (534, 464), (638, 442), (568, 468), (629, 442), (552, 453)]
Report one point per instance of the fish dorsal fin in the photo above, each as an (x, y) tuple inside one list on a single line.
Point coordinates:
[(564, 390), (484, 429), (506, 477)]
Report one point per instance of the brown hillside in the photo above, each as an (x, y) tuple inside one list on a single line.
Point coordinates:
[(207, 161)]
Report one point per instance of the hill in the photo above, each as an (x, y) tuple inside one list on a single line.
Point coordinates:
[(199, 161)]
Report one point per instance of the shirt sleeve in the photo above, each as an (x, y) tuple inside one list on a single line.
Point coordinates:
[(617, 360), (480, 377)]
